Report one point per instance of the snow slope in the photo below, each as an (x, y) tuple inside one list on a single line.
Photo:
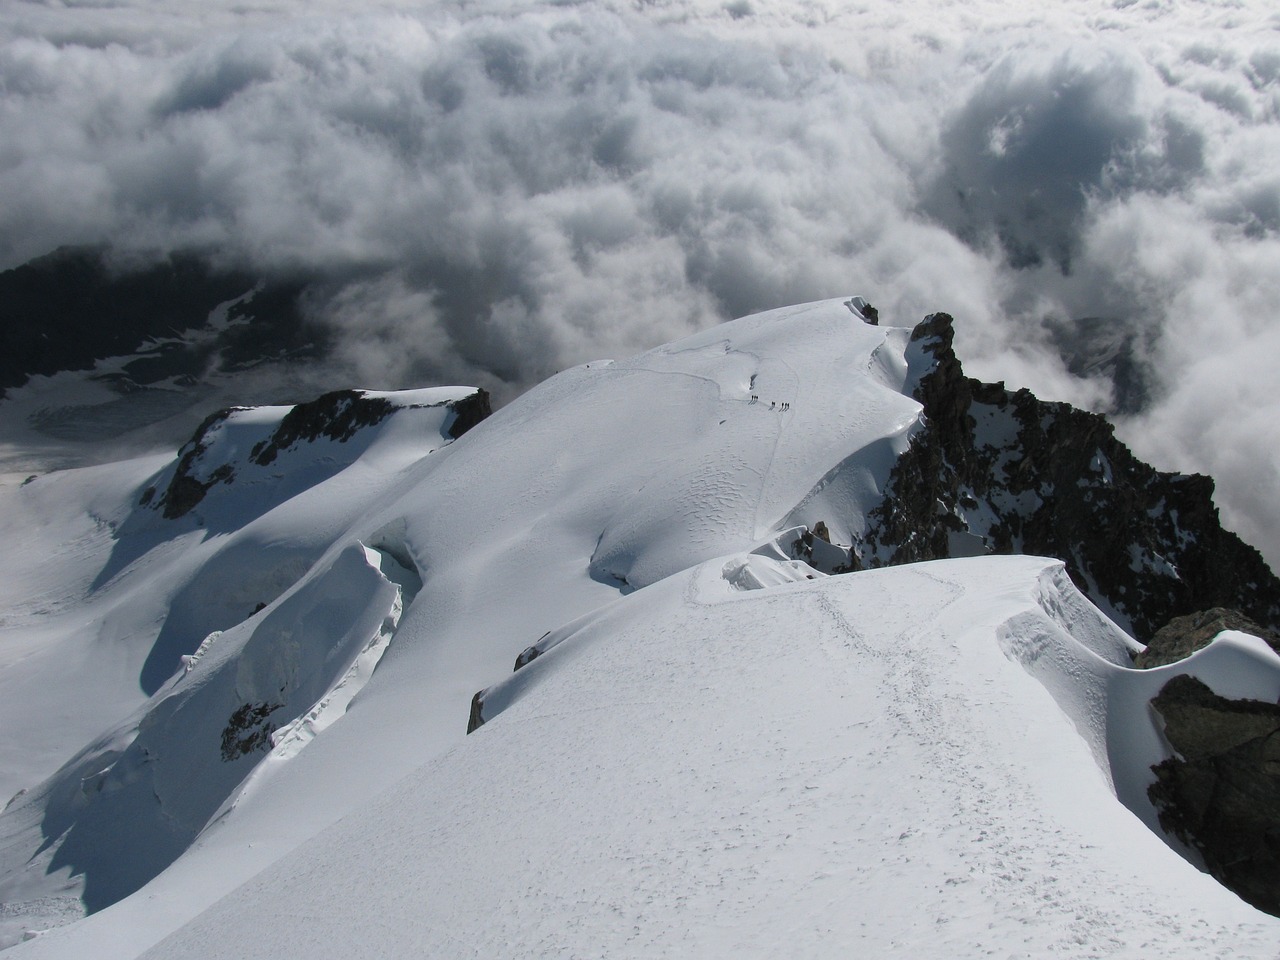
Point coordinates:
[(800, 770), (718, 749), (101, 597)]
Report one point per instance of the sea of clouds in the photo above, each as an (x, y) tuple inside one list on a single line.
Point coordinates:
[(490, 192)]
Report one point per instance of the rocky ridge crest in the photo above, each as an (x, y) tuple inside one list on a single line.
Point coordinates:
[(337, 416), (999, 471)]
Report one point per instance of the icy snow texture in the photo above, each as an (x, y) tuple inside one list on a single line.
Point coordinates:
[(798, 771), (100, 596), (715, 752)]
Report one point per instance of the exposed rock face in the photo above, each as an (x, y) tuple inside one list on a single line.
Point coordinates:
[(532, 652), (337, 417), (248, 731), (476, 718), (815, 548), (469, 411), (1222, 795), (1183, 636), (185, 490), (998, 471)]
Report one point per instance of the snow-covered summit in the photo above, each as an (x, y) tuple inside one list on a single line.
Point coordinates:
[(658, 531)]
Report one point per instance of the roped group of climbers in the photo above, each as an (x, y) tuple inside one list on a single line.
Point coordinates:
[(773, 404)]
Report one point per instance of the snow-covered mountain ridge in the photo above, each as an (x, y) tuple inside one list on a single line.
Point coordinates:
[(659, 529), (781, 771), (210, 457)]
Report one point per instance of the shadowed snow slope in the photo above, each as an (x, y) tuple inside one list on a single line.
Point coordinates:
[(717, 749), (102, 597)]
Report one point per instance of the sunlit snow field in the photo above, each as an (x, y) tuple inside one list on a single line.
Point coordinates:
[(720, 750), (716, 754)]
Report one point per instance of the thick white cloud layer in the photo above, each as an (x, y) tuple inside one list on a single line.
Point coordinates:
[(494, 191)]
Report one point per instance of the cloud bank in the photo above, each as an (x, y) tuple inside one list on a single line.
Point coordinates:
[(492, 192)]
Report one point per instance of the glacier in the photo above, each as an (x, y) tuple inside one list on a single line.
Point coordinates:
[(718, 748)]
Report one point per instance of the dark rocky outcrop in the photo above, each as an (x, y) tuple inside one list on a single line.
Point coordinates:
[(1012, 474), (476, 719), (1183, 636), (338, 416), (185, 491), (341, 414), (469, 411), (534, 651), (1221, 794), (248, 730), (814, 547)]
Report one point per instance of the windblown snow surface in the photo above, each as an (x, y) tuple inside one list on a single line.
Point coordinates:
[(719, 751)]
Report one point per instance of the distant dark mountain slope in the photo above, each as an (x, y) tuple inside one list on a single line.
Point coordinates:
[(999, 471), (71, 308), (1108, 348)]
